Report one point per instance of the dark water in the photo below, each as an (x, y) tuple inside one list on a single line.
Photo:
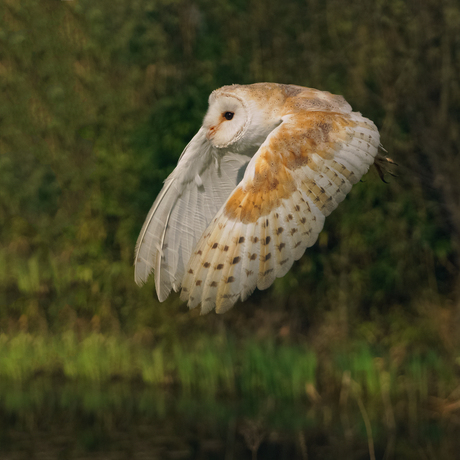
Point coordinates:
[(55, 420)]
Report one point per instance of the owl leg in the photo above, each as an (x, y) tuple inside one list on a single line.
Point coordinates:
[(382, 165)]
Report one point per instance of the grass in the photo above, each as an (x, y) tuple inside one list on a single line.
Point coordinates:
[(220, 366), (368, 395), (212, 366)]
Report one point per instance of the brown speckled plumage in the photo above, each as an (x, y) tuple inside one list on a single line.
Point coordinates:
[(308, 148)]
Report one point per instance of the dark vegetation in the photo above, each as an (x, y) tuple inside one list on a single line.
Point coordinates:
[(97, 101)]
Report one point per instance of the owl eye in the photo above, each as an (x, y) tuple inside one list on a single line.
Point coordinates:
[(228, 115)]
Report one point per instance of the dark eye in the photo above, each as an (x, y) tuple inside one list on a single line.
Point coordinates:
[(228, 115)]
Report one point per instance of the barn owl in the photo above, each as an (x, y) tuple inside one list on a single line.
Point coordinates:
[(251, 191)]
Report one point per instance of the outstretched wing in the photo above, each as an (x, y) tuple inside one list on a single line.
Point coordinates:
[(191, 196), (305, 167)]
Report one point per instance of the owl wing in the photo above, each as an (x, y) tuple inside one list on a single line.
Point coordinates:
[(191, 196), (299, 175)]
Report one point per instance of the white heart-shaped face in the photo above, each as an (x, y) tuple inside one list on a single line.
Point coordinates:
[(226, 121)]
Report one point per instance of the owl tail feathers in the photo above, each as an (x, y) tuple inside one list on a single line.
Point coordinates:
[(383, 165)]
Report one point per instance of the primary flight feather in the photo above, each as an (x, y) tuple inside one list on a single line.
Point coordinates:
[(251, 191)]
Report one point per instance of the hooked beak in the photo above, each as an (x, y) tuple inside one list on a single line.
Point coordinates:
[(210, 133)]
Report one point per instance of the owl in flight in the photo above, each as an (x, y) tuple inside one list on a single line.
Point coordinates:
[(251, 191)]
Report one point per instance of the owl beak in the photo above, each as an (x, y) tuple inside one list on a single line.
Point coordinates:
[(211, 132)]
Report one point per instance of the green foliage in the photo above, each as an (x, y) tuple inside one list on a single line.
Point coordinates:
[(215, 367), (99, 99)]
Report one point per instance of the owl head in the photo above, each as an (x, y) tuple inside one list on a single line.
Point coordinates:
[(227, 119), (234, 117)]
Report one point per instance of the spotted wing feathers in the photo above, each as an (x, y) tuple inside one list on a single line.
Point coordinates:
[(302, 171)]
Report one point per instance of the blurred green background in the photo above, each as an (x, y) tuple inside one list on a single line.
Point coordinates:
[(97, 101)]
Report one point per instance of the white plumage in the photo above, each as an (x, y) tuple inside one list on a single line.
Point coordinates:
[(251, 191)]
